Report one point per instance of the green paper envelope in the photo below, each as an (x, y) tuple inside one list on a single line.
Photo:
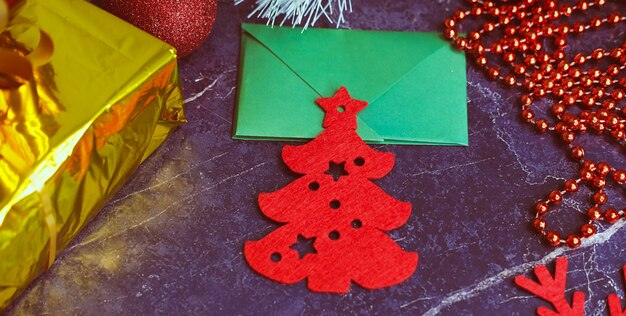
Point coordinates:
[(414, 84)]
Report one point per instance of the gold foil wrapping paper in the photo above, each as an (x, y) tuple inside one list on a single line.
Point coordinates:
[(77, 130)]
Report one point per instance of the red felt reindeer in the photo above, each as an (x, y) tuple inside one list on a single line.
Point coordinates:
[(552, 289), (615, 307)]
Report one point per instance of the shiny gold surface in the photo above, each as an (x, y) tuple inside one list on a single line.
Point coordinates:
[(73, 132)]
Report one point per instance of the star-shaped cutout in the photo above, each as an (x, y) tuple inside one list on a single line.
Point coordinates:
[(336, 170), (304, 246), (341, 108)]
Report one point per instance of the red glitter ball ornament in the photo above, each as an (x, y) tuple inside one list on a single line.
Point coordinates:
[(184, 24)]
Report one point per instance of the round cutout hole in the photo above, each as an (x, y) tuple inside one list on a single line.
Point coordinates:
[(314, 186), (276, 257), (341, 109), (335, 204), (359, 161), (356, 224), (334, 235)]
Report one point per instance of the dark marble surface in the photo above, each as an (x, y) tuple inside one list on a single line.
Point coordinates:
[(170, 242)]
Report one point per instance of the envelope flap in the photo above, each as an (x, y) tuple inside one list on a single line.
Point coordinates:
[(368, 63), (273, 101)]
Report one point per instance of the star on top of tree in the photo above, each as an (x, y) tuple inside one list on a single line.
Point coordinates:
[(341, 108)]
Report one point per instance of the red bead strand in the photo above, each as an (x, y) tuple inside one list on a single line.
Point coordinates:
[(519, 59)]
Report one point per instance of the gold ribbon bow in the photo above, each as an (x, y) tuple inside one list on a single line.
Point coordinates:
[(17, 63), (15, 68)]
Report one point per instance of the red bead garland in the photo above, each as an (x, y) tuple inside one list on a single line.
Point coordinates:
[(532, 51)]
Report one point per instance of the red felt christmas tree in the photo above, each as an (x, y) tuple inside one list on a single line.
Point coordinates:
[(334, 216)]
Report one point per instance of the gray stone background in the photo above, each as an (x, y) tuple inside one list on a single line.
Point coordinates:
[(170, 242)]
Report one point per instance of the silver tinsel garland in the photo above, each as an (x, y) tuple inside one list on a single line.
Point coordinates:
[(301, 12)]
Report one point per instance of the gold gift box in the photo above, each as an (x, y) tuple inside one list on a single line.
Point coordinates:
[(76, 132)]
